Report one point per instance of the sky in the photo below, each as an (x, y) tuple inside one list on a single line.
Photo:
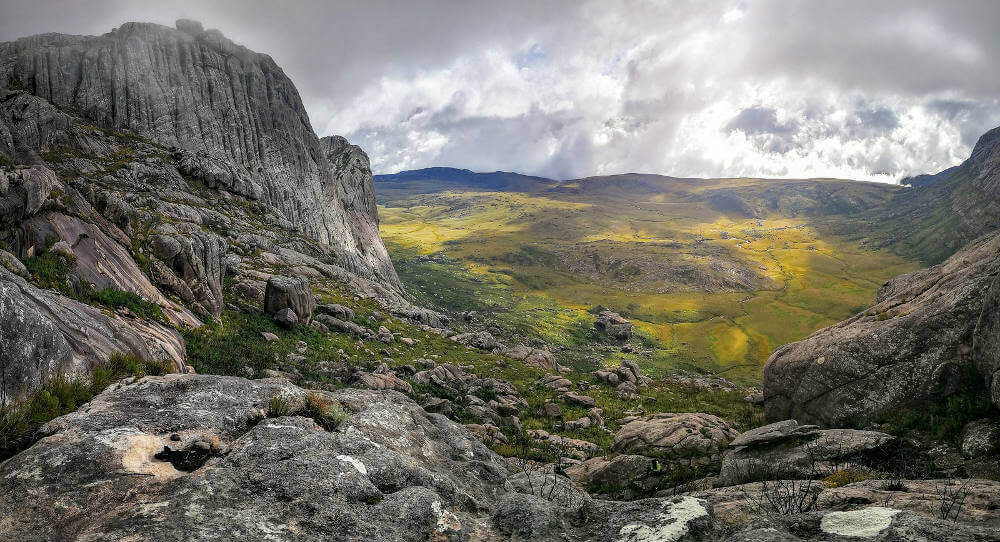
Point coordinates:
[(870, 90)]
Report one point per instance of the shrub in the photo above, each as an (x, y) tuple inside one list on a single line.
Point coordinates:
[(61, 395), (281, 405), (113, 298), (945, 419), (326, 413), (49, 270), (844, 477)]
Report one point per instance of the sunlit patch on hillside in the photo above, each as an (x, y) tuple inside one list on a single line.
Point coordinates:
[(713, 283)]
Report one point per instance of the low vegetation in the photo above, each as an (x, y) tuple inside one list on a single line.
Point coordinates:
[(19, 422), (711, 291), (51, 270)]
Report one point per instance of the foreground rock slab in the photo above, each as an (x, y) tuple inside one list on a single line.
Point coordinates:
[(198, 457)]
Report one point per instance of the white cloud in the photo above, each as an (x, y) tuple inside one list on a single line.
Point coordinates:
[(567, 88), (668, 90)]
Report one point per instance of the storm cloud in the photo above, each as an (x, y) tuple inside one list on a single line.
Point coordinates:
[(865, 90)]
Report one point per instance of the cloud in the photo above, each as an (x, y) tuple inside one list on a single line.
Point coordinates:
[(566, 89), (759, 120)]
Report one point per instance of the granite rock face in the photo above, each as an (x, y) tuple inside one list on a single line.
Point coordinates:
[(222, 464), (234, 116), (918, 344), (44, 334)]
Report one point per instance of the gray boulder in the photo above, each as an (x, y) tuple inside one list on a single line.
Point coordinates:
[(694, 436), (289, 293), (337, 324), (483, 340), (787, 450), (624, 477), (286, 318), (614, 325), (981, 438), (337, 311), (543, 359)]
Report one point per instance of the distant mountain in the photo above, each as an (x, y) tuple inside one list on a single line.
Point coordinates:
[(503, 181), (933, 220), (927, 179)]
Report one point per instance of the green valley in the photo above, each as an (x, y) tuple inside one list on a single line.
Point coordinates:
[(715, 274)]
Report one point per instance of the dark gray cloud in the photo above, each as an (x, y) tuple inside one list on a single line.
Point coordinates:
[(567, 88), (759, 120)]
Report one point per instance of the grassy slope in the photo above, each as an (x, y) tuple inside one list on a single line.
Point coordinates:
[(515, 255)]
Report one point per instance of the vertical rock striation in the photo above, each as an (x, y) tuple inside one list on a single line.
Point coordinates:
[(234, 116)]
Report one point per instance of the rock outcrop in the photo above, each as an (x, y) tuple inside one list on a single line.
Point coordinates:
[(236, 121), (787, 450), (928, 335), (226, 464), (293, 293), (689, 436), (43, 334), (614, 325)]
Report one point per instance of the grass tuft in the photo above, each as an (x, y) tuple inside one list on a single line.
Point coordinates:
[(19, 423)]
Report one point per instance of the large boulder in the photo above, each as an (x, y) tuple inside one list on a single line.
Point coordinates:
[(692, 436), (614, 325), (623, 477), (289, 293), (789, 450), (210, 457), (483, 340), (543, 359), (917, 345)]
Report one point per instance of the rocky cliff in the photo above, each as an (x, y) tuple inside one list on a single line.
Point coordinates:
[(931, 221), (142, 169), (931, 334), (233, 114)]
